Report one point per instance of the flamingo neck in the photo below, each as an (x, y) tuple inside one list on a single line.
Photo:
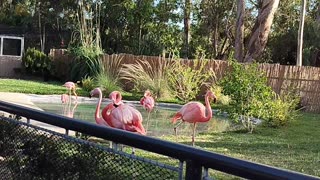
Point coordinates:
[(97, 113), (118, 99), (208, 109)]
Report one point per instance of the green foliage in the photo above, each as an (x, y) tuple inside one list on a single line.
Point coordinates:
[(109, 77), (87, 62), (187, 79), (252, 97), (36, 61), (107, 83), (87, 83), (85, 45), (149, 75), (221, 98), (281, 110)]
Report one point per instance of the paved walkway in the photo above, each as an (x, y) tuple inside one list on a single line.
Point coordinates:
[(27, 101)]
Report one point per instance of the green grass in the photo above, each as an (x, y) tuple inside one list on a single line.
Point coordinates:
[(295, 147), (35, 87)]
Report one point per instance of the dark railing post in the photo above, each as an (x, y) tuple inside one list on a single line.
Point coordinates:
[(193, 170)]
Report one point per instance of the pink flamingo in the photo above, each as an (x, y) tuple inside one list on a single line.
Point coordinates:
[(124, 116), (100, 120), (147, 101), (194, 112), (71, 86), (67, 111), (117, 114), (64, 98)]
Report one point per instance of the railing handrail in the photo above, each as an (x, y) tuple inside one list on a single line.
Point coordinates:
[(204, 158)]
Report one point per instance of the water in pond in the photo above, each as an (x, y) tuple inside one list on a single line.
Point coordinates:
[(159, 123)]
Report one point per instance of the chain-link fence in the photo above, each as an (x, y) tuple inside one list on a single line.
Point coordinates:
[(30, 152)]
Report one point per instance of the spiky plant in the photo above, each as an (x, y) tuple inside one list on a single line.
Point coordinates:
[(112, 65), (107, 83), (148, 75), (108, 78)]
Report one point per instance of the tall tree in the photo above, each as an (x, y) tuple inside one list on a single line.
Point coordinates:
[(300, 33), (187, 25), (261, 29), (239, 30), (318, 13)]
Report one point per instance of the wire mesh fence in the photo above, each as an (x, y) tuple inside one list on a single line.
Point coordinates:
[(30, 152)]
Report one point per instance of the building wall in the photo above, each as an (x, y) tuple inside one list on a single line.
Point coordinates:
[(9, 66)]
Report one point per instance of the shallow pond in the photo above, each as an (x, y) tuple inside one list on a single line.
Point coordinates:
[(159, 123)]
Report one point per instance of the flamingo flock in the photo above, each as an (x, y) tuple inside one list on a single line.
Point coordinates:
[(120, 115)]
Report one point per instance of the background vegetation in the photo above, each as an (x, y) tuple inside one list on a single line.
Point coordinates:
[(148, 27)]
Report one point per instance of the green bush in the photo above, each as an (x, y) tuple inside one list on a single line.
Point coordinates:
[(252, 97), (35, 61), (186, 80), (87, 83), (86, 62)]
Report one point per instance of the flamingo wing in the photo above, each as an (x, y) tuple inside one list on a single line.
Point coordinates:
[(106, 114), (128, 118), (192, 111), (149, 103)]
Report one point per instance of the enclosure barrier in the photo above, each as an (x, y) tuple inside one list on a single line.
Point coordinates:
[(28, 151)]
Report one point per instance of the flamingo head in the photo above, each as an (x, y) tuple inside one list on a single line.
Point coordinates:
[(116, 97), (147, 93), (211, 95), (95, 91)]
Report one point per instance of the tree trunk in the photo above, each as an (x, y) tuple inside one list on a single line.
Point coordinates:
[(318, 13), (300, 33), (239, 31), (261, 29), (187, 25)]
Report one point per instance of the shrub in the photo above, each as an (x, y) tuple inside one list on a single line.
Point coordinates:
[(149, 75), (252, 97), (36, 62), (87, 83), (107, 83), (221, 98), (186, 80), (86, 62)]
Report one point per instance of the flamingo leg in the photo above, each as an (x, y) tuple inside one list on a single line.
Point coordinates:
[(193, 133), (74, 92), (175, 127), (70, 95), (148, 121)]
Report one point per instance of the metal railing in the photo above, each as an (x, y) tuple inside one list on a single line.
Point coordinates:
[(196, 160)]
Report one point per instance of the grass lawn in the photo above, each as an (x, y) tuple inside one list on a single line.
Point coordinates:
[(294, 147), (35, 87)]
